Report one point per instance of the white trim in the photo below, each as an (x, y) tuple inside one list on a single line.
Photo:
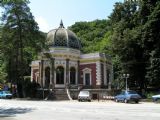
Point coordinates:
[(98, 73), (87, 71)]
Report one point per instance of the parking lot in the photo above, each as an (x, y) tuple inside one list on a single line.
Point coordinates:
[(73, 110)]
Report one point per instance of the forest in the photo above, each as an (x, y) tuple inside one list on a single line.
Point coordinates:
[(130, 35)]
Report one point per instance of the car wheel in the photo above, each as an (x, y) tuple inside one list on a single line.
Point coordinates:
[(116, 100), (125, 101), (137, 101)]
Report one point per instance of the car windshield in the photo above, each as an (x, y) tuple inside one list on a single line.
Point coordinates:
[(7, 92), (84, 93), (132, 92)]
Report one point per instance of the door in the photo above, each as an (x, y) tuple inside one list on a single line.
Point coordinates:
[(87, 78)]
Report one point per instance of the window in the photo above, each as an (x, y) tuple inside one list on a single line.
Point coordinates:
[(87, 78)]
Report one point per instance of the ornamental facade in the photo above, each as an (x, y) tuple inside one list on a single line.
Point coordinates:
[(64, 66)]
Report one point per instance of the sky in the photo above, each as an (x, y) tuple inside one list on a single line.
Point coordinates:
[(48, 13)]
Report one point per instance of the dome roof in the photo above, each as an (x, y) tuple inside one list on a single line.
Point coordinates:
[(62, 37)]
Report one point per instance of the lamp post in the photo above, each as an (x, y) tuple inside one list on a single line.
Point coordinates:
[(126, 76)]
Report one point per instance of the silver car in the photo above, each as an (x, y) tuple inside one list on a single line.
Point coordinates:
[(84, 96), (155, 98)]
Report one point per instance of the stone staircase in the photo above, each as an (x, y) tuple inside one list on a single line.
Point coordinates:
[(56, 94), (61, 94)]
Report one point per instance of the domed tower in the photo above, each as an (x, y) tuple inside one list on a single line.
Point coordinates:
[(59, 65), (62, 38)]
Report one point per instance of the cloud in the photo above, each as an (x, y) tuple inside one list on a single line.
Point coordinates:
[(42, 23)]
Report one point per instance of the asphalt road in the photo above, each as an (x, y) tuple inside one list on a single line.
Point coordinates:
[(73, 110)]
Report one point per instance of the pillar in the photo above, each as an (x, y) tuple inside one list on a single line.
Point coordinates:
[(105, 73), (31, 74), (78, 72), (67, 72), (52, 84), (41, 72)]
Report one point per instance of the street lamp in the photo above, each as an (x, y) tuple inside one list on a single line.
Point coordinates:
[(126, 76)]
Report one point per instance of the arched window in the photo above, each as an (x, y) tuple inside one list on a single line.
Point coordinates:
[(60, 75), (72, 75), (47, 77)]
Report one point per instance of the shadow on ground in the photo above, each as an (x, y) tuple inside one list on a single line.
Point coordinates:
[(10, 112)]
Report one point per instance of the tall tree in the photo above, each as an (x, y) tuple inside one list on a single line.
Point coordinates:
[(126, 41), (151, 43), (20, 38)]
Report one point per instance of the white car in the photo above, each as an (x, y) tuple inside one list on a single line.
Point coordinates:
[(84, 96), (156, 97)]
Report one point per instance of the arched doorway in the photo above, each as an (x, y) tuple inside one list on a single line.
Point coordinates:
[(47, 77), (60, 75), (72, 75)]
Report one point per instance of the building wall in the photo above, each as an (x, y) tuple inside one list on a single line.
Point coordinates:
[(91, 66)]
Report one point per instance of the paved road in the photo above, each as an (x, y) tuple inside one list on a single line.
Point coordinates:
[(73, 110)]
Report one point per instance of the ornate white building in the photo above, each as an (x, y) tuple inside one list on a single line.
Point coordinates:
[(63, 65)]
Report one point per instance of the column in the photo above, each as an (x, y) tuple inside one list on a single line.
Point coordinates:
[(52, 73), (67, 72), (41, 72), (31, 74), (78, 73), (104, 72)]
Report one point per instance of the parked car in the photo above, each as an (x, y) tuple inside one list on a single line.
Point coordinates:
[(156, 97), (5, 94), (127, 96), (84, 96)]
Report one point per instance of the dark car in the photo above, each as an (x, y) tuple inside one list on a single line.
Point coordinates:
[(84, 96), (127, 96), (5, 94)]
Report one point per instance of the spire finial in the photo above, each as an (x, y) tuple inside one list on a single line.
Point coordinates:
[(61, 24)]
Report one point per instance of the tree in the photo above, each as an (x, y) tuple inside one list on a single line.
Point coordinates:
[(21, 39), (3, 73), (126, 42), (91, 34), (151, 44)]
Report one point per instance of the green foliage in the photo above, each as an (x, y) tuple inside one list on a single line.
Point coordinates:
[(91, 34), (3, 73), (126, 39), (135, 40), (30, 88), (21, 39), (151, 44)]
